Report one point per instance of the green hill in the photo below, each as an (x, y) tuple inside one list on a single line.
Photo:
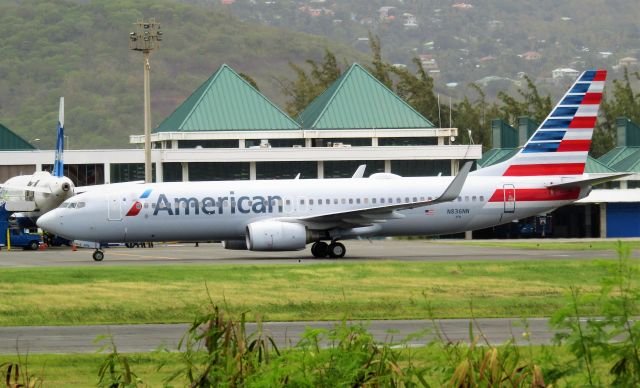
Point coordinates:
[(79, 50)]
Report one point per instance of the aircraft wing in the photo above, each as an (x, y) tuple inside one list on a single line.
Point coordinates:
[(377, 214), (591, 181)]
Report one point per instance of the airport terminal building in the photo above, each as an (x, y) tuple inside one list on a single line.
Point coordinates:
[(228, 130)]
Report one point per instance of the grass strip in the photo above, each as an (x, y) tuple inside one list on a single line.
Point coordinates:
[(608, 245), (327, 291)]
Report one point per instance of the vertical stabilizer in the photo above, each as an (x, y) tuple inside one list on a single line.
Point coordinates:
[(561, 143), (58, 165)]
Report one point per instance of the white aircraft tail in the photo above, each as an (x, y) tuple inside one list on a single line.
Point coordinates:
[(561, 143)]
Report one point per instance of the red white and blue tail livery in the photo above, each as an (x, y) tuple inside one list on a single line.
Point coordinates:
[(286, 215), (561, 144)]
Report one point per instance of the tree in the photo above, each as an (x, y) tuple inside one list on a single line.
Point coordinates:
[(379, 68), (307, 87), (534, 105), (622, 102), (417, 90)]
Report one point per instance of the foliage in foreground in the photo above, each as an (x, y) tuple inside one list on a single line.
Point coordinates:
[(218, 351)]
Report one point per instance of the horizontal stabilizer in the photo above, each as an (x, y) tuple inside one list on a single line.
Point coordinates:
[(591, 181)]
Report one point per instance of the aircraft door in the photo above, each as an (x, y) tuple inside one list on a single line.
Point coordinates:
[(114, 208), (509, 198)]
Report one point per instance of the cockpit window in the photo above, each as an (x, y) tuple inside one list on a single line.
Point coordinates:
[(64, 205), (72, 205), (81, 205)]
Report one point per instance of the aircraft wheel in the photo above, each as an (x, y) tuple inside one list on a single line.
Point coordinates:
[(98, 255), (33, 245), (320, 249), (337, 250)]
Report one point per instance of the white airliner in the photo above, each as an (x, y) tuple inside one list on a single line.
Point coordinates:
[(287, 215), (35, 194)]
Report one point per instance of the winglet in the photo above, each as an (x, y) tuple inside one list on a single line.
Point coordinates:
[(58, 166), (359, 172), (455, 187)]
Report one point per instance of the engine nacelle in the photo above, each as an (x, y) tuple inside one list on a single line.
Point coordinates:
[(235, 245), (276, 236)]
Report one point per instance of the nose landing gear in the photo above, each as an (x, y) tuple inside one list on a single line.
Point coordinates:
[(98, 255), (321, 249)]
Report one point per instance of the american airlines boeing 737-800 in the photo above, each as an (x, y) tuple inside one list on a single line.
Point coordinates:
[(283, 215)]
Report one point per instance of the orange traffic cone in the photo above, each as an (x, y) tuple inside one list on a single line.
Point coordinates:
[(74, 247)]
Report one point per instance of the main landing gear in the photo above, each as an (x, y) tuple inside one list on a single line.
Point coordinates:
[(321, 249), (98, 255)]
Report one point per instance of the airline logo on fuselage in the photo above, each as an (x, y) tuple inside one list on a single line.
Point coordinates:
[(219, 205)]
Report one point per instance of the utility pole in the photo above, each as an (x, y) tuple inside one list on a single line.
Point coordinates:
[(146, 38)]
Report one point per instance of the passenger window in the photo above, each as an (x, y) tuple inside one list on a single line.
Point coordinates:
[(466, 198), (373, 201), (430, 199), (398, 200), (482, 198), (343, 201), (358, 201), (459, 199), (311, 202), (288, 202), (415, 199), (319, 202), (366, 200), (335, 201), (350, 201), (421, 198), (146, 205), (473, 198), (302, 202), (153, 205), (327, 201)]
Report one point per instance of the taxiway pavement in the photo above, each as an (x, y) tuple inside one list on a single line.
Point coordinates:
[(405, 250), (146, 338)]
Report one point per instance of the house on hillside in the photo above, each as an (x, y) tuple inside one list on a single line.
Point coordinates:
[(409, 20), (462, 6), (628, 62), (387, 13), (531, 56), (428, 62), (564, 74)]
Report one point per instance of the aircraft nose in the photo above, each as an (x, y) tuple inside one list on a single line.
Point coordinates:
[(48, 222)]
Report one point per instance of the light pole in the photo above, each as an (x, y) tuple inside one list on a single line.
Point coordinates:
[(146, 38)]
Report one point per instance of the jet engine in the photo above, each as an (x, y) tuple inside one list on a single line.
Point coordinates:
[(236, 245), (276, 236)]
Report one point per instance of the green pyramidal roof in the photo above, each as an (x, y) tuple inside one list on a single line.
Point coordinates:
[(9, 141), (226, 102), (357, 100)]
